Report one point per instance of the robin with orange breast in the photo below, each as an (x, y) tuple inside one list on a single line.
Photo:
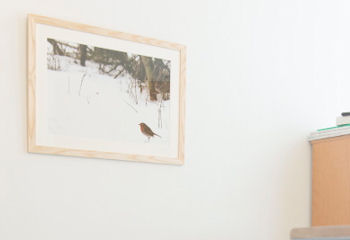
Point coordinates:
[(147, 131)]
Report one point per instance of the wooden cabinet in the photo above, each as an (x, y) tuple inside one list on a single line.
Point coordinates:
[(331, 181)]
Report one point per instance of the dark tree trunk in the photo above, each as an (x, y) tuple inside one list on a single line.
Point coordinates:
[(147, 63), (56, 49), (82, 49)]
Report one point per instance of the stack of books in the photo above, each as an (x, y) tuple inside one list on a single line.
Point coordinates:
[(344, 119), (342, 128)]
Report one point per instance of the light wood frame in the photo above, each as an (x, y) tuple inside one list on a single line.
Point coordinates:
[(32, 145)]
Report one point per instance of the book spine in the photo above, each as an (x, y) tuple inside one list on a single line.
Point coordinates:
[(343, 120)]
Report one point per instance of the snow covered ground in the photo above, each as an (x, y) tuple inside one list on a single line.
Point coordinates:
[(87, 104)]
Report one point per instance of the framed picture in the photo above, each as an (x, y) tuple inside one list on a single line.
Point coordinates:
[(99, 93)]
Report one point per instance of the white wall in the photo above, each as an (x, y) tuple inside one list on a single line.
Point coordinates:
[(261, 76)]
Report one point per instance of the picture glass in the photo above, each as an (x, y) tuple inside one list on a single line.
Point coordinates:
[(105, 94)]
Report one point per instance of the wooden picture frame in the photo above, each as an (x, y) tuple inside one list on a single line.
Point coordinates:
[(99, 93)]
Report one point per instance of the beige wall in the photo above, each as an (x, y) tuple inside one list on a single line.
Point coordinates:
[(261, 76)]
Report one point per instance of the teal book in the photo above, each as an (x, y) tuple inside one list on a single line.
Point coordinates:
[(339, 126)]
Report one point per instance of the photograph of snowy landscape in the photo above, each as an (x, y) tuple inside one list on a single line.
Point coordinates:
[(98, 93)]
